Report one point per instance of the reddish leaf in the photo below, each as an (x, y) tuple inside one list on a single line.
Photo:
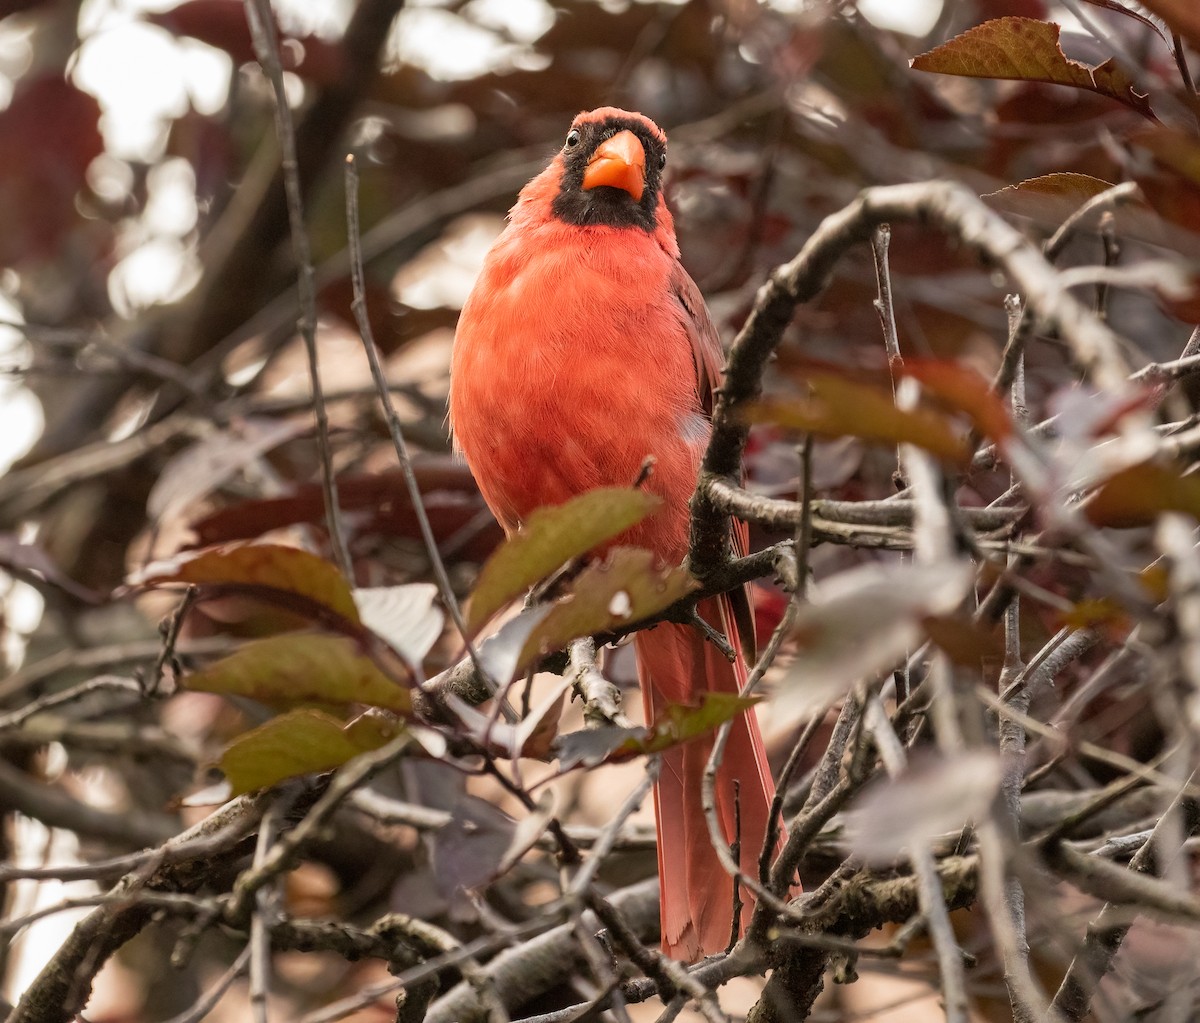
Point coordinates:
[(1017, 8), (285, 579), (840, 407), (308, 668), (1028, 50), (51, 134), (381, 506), (962, 389), (1138, 495)]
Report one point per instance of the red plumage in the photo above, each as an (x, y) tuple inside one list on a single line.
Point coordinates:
[(583, 348)]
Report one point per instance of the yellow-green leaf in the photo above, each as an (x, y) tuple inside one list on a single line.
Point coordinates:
[(679, 723), (305, 668), (550, 538), (296, 743)]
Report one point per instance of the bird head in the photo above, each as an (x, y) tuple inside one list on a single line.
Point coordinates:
[(610, 171)]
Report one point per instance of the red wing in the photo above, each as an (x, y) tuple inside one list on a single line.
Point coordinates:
[(706, 342), (709, 359)]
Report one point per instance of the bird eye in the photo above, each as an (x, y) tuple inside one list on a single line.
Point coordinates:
[(572, 137), (662, 160)]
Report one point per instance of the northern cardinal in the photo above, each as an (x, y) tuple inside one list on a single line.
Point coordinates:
[(583, 349)]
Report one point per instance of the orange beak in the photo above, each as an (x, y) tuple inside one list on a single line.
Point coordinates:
[(619, 162)]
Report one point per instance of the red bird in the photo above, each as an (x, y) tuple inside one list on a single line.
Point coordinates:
[(583, 349)]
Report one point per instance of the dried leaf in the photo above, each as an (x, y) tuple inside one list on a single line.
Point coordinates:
[(1049, 198), (1028, 50), (552, 537), (469, 848), (933, 797), (591, 746), (678, 723), (200, 469), (862, 622), (963, 390), (533, 736), (406, 617), (312, 668), (501, 652)]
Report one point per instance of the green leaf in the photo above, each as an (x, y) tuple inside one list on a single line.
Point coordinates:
[(303, 669), (286, 578), (626, 587), (296, 743), (1028, 50), (550, 538), (679, 722), (676, 724)]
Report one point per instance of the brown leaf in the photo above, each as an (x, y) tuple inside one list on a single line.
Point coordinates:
[(1028, 50), (678, 723), (1138, 495), (293, 583), (840, 407), (626, 587), (1047, 199)]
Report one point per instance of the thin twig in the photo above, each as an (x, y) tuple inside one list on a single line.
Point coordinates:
[(445, 589), (266, 48)]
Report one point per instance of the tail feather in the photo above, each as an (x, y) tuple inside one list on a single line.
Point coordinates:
[(675, 664)]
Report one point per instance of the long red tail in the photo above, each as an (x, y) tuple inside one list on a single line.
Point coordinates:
[(675, 664)]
